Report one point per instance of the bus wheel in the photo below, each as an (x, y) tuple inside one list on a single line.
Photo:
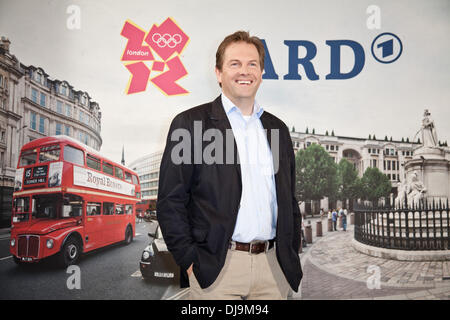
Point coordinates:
[(128, 235), (69, 253)]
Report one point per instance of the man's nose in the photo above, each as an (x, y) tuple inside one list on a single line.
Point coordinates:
[(244, 70)]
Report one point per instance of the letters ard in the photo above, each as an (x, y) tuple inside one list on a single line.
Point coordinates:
[(306, 61)]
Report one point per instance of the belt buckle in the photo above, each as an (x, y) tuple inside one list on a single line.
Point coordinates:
[(251, 245), (266, 246), (233, 245)]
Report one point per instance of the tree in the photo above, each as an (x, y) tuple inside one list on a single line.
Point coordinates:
[(332, 133), (375, 185), (348, 181), (374, 138), (307, 131), (316, 174), (326, 133)]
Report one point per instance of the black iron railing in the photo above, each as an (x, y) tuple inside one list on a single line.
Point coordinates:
[(423, 226)]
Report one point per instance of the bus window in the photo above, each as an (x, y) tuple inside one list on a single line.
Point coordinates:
[(118, 172), (108, 208), (28, 157), (22, 205), (73, 206), (119, 209), (21, 209), (93, 162), (135, 179), (93, 209), (73, 155), (129, 209), (44, 206), (50, 153), (128, 177), (107, 168)]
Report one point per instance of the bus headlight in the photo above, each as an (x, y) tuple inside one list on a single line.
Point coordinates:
[(49, 243), (13, 242)]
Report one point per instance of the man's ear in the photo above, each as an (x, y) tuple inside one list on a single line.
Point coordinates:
[(218, 75)]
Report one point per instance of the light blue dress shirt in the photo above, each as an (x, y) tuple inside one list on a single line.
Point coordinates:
[(257, 216)]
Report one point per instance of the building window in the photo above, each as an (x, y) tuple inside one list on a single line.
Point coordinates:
[(67, 130), (63, 89), (38, 77), (81, 116), (34, 95), (59, 106), (42, 101), (41, 124), (68, 110), (33, 120), (58, 130)]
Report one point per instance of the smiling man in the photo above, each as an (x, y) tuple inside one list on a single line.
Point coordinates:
[(233, 228)]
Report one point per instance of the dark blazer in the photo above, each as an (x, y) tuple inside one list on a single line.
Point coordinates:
[(198, 203)]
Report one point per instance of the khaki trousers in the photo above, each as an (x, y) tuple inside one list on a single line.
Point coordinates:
[(245, 277)]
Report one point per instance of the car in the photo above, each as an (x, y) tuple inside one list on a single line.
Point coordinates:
[(157, 264)]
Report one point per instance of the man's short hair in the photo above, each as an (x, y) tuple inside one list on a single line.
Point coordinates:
[(239, 36)]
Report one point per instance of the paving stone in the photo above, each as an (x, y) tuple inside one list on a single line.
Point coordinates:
[(333, 269)]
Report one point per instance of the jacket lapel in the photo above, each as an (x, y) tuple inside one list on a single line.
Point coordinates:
[(221, 122), (273, 138)]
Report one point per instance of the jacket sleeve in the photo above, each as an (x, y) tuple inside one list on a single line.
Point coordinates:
[(174, 191), (295, 208)]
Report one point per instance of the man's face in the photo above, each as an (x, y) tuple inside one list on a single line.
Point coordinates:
[(241, 72)]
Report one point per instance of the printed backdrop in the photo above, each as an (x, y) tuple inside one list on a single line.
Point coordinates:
[(99, 46)]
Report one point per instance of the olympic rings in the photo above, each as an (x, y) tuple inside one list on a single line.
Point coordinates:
[(166, 40)]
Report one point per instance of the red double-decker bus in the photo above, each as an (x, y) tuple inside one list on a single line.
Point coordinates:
[(68, 200)]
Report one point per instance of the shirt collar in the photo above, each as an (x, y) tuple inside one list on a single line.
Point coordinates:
[(229, 107)]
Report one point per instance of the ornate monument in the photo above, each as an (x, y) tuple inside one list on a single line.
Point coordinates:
[(428, 173), (417, 228)]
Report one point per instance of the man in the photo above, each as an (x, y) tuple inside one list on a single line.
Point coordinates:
[(334, 216), (232, 224)]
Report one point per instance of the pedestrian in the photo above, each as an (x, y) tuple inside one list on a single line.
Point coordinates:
[(334, 217), (233, 228), (344, 220)]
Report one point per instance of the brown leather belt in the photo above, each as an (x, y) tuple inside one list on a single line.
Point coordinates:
[(253, 247)]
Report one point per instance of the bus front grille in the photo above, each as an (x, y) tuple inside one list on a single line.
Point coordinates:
[(28, 246)]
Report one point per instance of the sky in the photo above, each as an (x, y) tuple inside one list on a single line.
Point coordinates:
[(383, 99)]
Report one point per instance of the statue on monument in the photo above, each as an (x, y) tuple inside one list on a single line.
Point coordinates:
[(416, 189), (429, 135), (413, 190)]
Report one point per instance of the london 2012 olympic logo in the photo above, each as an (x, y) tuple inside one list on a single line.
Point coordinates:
[(166, 40), (156, 51)]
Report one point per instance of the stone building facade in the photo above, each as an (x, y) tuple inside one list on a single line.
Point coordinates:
[(34, 105), (389, 156)]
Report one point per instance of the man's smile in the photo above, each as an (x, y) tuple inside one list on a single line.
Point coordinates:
[(244, 82)]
